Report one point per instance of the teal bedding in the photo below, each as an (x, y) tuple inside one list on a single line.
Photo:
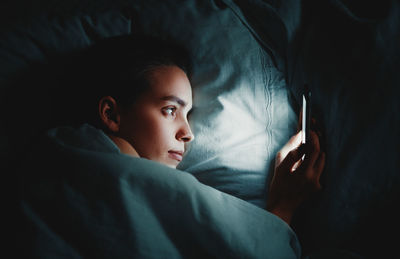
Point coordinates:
[(242, 113), (251, 57), (83, 198)]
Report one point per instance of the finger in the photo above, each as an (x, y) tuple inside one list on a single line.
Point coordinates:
[(291, 159), (315, 126), (296, 165), (293, 143), (313, 121), (313, 150), (313, 174), (319, 165), (311, 155)]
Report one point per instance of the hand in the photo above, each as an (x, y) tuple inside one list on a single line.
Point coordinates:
[(295, 179)]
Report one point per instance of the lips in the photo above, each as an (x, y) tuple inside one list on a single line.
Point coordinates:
[(176, 155)]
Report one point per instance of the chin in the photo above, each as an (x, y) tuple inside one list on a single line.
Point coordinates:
[(172, 166), (170, 162)]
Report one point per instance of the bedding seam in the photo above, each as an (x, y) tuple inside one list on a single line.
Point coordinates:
[(266, 72)]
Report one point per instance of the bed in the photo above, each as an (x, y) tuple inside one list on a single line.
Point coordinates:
[(251, 62)]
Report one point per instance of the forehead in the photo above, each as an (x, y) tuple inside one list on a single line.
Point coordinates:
[(170, 81)]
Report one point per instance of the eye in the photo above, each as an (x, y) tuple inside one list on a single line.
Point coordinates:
[(169, 111)]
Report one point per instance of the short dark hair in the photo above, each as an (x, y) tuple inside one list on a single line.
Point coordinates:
[(120, 67)]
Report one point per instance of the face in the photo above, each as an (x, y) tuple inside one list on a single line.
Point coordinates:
[(156, 125)]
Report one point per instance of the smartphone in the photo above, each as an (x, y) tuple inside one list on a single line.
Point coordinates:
[(306, 116)]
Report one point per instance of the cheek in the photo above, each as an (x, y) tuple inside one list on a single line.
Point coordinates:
[(156, 131), (162, 132)]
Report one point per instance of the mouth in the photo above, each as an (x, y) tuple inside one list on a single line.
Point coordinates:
[(176, 155)]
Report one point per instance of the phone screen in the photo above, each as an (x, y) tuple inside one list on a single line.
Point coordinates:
[(306, 117)]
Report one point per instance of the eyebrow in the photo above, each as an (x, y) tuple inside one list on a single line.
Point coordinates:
[(174, 99)]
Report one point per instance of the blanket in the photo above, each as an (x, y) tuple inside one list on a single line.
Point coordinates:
[(81, 197)]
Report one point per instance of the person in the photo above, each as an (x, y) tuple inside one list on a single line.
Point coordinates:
[(135, 112), (154, 124)]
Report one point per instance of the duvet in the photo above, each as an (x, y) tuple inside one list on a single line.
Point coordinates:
[(83, 198)]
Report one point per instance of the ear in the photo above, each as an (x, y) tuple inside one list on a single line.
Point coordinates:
[(109, 114)]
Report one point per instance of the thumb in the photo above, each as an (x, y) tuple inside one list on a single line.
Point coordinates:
[(292, 144), (291, 158)]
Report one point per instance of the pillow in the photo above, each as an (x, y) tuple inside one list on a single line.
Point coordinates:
[(242, 114)]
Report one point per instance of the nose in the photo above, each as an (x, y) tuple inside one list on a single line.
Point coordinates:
[(184, 133)]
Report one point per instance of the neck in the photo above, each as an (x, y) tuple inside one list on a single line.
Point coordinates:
[(123, 146)]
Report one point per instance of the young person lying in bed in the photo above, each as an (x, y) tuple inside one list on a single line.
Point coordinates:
[(143, 106)]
